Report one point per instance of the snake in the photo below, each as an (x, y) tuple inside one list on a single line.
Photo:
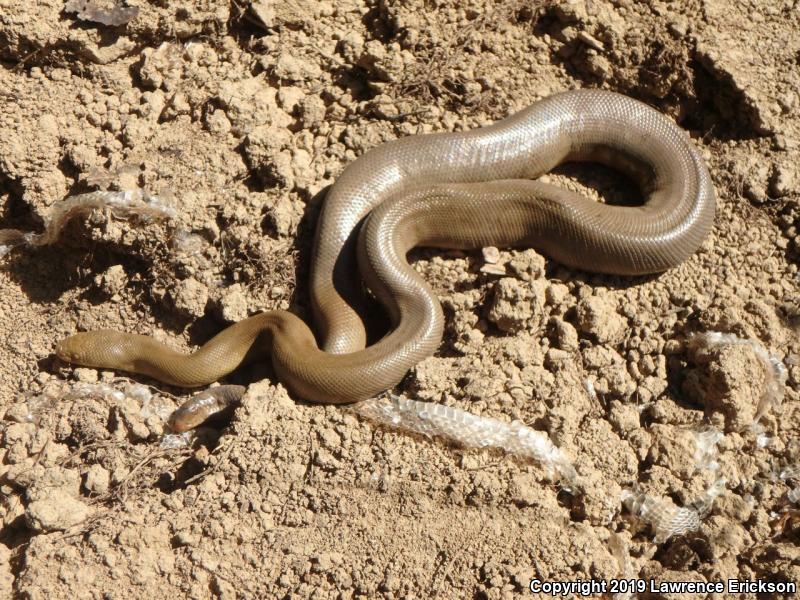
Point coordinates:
[(458, 190)]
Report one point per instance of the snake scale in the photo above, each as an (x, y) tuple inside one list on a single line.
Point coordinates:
[(449, 190)]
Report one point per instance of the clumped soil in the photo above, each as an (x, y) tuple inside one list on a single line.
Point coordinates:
[(242, 114)]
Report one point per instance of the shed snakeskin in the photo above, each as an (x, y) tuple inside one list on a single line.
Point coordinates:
[(452, 190)]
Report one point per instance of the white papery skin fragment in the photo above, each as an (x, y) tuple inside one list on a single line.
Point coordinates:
[(665, 517), (470, 431), (129, 202)]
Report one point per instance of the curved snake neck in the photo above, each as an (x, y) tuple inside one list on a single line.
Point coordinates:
[(455, 190)]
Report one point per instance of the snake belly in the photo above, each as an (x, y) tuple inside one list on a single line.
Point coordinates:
[(451, 190)]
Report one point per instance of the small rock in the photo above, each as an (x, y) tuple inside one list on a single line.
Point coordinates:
[(725, 537), (158, 65), (233, 304), (378, 61), (85, 375), (19, 413), (98, 480), (351, 46), (217, 122), (527, 265), (19, 433), (249, 105), (490, 269), (624, 417), (598, 316), (293, 68), (266, 151), (728, 66), (755, 184), (289, 97), (571, 10), (678, 27), (56, 513), (674, 449), (284, 216), (312, 111), (491, 255), (511, 305), (44, 483), (384, 107), (555, 357), (599, 66), (264, 12), (330, 438), (556, 294), (113, 281), (730, 380), (301, 169), (190, 297), (187, 537), (787, 101), (782, 183), (298, 14), (601, 357), (591, 41), (473, 337), (734, 507), (564, 334), (618, 382), (129, 415), (325, 561)]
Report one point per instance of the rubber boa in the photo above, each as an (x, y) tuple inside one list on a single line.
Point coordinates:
[(451, 190)]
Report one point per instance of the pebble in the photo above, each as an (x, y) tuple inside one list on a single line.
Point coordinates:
[(678, 27), (56, 513), (782, 183), (312, 111), (528, 265), (190, 297), (233, 304), (591, 41), (556, 293), (293, 68), (491, 254), (597, 316), (564, 334), (511, 305), (113, 281), (284, 217), (85, 375), (491, 269), (731, 382), (98, 479)]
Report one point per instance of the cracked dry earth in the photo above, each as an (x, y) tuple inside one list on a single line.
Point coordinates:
[(241, 114)]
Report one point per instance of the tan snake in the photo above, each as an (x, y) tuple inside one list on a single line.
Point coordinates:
[(453, 190)]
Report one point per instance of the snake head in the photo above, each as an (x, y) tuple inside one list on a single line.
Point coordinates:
[(71, 349), (90, 349)]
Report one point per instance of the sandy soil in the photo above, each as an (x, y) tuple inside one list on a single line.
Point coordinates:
[(242, 115)]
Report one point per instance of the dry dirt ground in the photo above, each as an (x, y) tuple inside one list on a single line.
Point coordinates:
[(241, 114)]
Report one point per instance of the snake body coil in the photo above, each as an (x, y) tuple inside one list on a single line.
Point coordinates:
[(454, 190)]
